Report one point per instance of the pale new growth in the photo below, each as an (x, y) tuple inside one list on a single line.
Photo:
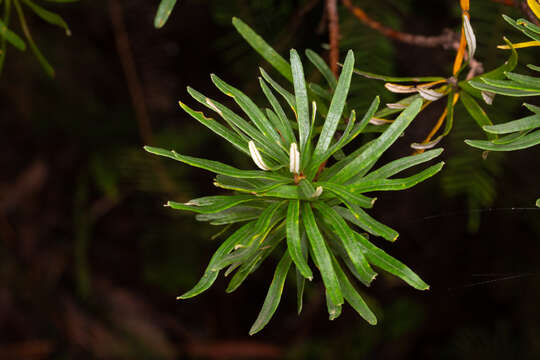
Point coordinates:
[(256, 156), (294, 166), (317, 192), (402, 89), (213, 106), (488, 97), (469, 35), (430, 95)]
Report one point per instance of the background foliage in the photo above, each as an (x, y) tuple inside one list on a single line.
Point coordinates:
[(92, 263)]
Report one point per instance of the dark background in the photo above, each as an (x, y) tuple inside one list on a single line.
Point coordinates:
[(91, 262)]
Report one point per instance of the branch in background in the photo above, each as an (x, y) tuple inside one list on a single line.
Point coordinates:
[(135, 87), (447, 39), (333, 29)]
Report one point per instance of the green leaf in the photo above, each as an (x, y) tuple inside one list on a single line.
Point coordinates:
[(336, 107), (285, 128), (386, 262), (502, 88), (529, 81), (398, 79), (333, 310), (526, 123), (475, 110), (352, 296), (320, 91), (365, 120), (48, 16), (262, 47), (237, 141), (320, 64), (330, 172), (273, 296), (215, 166), (505, 85), (359, 217), (302, 104), (300, 279), (533, 67), (294, 241), (399, 165), (231, 216), (252, 264), (164, 11), (532, 108), (266, 221), (321, 255), (248, 185), (11, 37), (344, 194), (241, 126), (383, 142), (210, 275), (395, 184), (212, 204), (41, 59), (347, 238), (289, 98), (532, 34), (538, 202), (251, 110), (524, 142)]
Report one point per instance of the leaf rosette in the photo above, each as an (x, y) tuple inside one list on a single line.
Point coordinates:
[(306, 203)]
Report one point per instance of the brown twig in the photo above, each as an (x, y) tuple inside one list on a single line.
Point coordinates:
[(135, 87), (333, 30), (446, 39)]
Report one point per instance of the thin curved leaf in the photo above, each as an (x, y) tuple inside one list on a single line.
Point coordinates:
[(294, 243), (524, 142), (273, 296), (164, 11)]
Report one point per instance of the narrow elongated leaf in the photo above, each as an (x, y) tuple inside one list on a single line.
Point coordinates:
[(273, 296), (300, 279), (215, 166), (509, 138), (475, 110), (399, 165), (383, 142), (359, 217), (217, 128), (509, 85), (395, 184), (231, 216), (352, 296), (331, 171), (289, 98), (294, 241), (386, 262), (285, 128), (266, 222), (241, 126), (320, 64), (164, 11), (212, 204), (302, 104), (11, 37), (503, 87), (48, 16), (343, 193), (365, 120), (262, 47), (249, 107), (526, 123), (334, 311), (321, 255), (534, 109), (524, 142), (270, 243), (397, 79), (210, 275), (347, 239), (39, 56), (336, 106), (528, 81)]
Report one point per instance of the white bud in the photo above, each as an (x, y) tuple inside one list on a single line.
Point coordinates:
[(429, 94), (317, 192), (488, 97), (402, 89), (294, 155), (469, 35), (256, 156)]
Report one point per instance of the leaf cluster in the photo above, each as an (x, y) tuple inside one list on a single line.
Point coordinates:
[(308, 199)]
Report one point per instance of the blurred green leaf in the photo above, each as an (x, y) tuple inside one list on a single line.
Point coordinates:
[(164, 11)]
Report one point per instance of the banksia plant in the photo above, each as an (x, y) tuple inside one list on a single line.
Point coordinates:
[(306, 203)]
